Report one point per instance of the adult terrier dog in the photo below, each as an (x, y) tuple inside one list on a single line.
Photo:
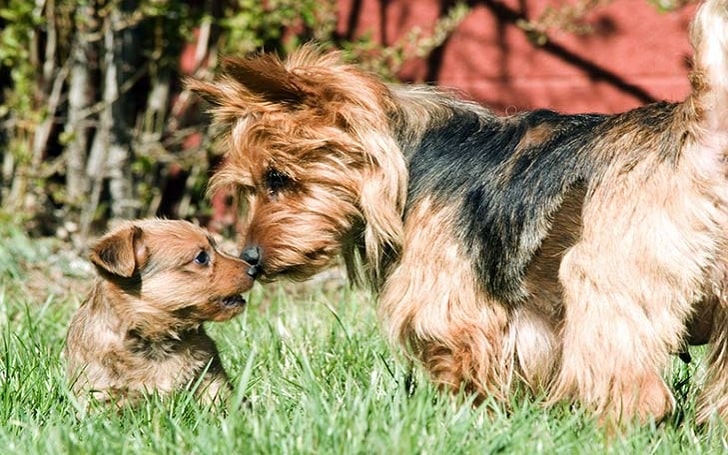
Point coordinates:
[(573, 253), (140, 331)]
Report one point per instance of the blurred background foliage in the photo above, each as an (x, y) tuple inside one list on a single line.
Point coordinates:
[(94, 122)]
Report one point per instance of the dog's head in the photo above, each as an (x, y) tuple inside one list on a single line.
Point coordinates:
[(169, 275), (309, 150)]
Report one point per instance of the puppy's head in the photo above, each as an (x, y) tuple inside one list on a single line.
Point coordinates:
[(164, 275), (309, 150)]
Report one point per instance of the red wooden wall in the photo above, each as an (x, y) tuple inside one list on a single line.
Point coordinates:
[(635, 54)]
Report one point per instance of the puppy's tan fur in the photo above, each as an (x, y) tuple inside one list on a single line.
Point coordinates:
[(140, 331)]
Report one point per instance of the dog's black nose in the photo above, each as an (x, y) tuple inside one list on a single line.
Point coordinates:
[(251, 255)]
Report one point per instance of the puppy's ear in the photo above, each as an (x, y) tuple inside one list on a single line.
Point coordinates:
[(121, 252)]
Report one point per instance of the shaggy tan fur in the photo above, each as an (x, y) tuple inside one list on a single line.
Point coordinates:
[(573, 254)]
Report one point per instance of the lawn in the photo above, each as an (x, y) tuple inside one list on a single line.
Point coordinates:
[(316, 373)]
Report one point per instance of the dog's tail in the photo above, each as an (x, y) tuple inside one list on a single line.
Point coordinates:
[(709, 78)]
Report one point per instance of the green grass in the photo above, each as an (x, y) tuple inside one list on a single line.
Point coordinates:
[(317, 375)]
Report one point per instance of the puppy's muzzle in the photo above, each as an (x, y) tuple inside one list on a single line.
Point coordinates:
[(251, 255)]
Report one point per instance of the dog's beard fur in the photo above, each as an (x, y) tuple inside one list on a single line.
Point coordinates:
[(572, 252)]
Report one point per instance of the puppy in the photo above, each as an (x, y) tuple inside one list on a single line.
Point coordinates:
[(141, 329)]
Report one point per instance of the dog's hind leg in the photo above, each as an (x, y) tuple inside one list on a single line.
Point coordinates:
[(652, 229), (709, 100), (630, 284), (710, 325), (612, 353)]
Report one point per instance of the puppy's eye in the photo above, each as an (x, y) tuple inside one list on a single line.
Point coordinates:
[(202, 258), (275, 181)]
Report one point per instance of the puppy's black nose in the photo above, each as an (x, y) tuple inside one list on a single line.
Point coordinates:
[(251, 255)]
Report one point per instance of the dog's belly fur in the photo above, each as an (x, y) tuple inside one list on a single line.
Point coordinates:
[(700, 325)]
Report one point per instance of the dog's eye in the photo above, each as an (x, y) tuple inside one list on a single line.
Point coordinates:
[(202, 258), (275, 181)]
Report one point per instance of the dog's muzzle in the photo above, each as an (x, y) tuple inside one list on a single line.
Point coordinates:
[(251, 255)]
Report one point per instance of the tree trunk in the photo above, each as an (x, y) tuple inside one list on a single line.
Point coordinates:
[(80, 99), (122, 44), (111, 151)]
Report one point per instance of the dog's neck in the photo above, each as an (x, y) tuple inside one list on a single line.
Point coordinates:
[(373, 247), (125, 314), (422, 109)]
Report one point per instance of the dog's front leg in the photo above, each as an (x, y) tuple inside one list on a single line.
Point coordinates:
[(433, 305)]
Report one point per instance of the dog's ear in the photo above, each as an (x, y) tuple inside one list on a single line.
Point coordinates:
[(267, 77), (121, 252), (265, 80), (247, 81)]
